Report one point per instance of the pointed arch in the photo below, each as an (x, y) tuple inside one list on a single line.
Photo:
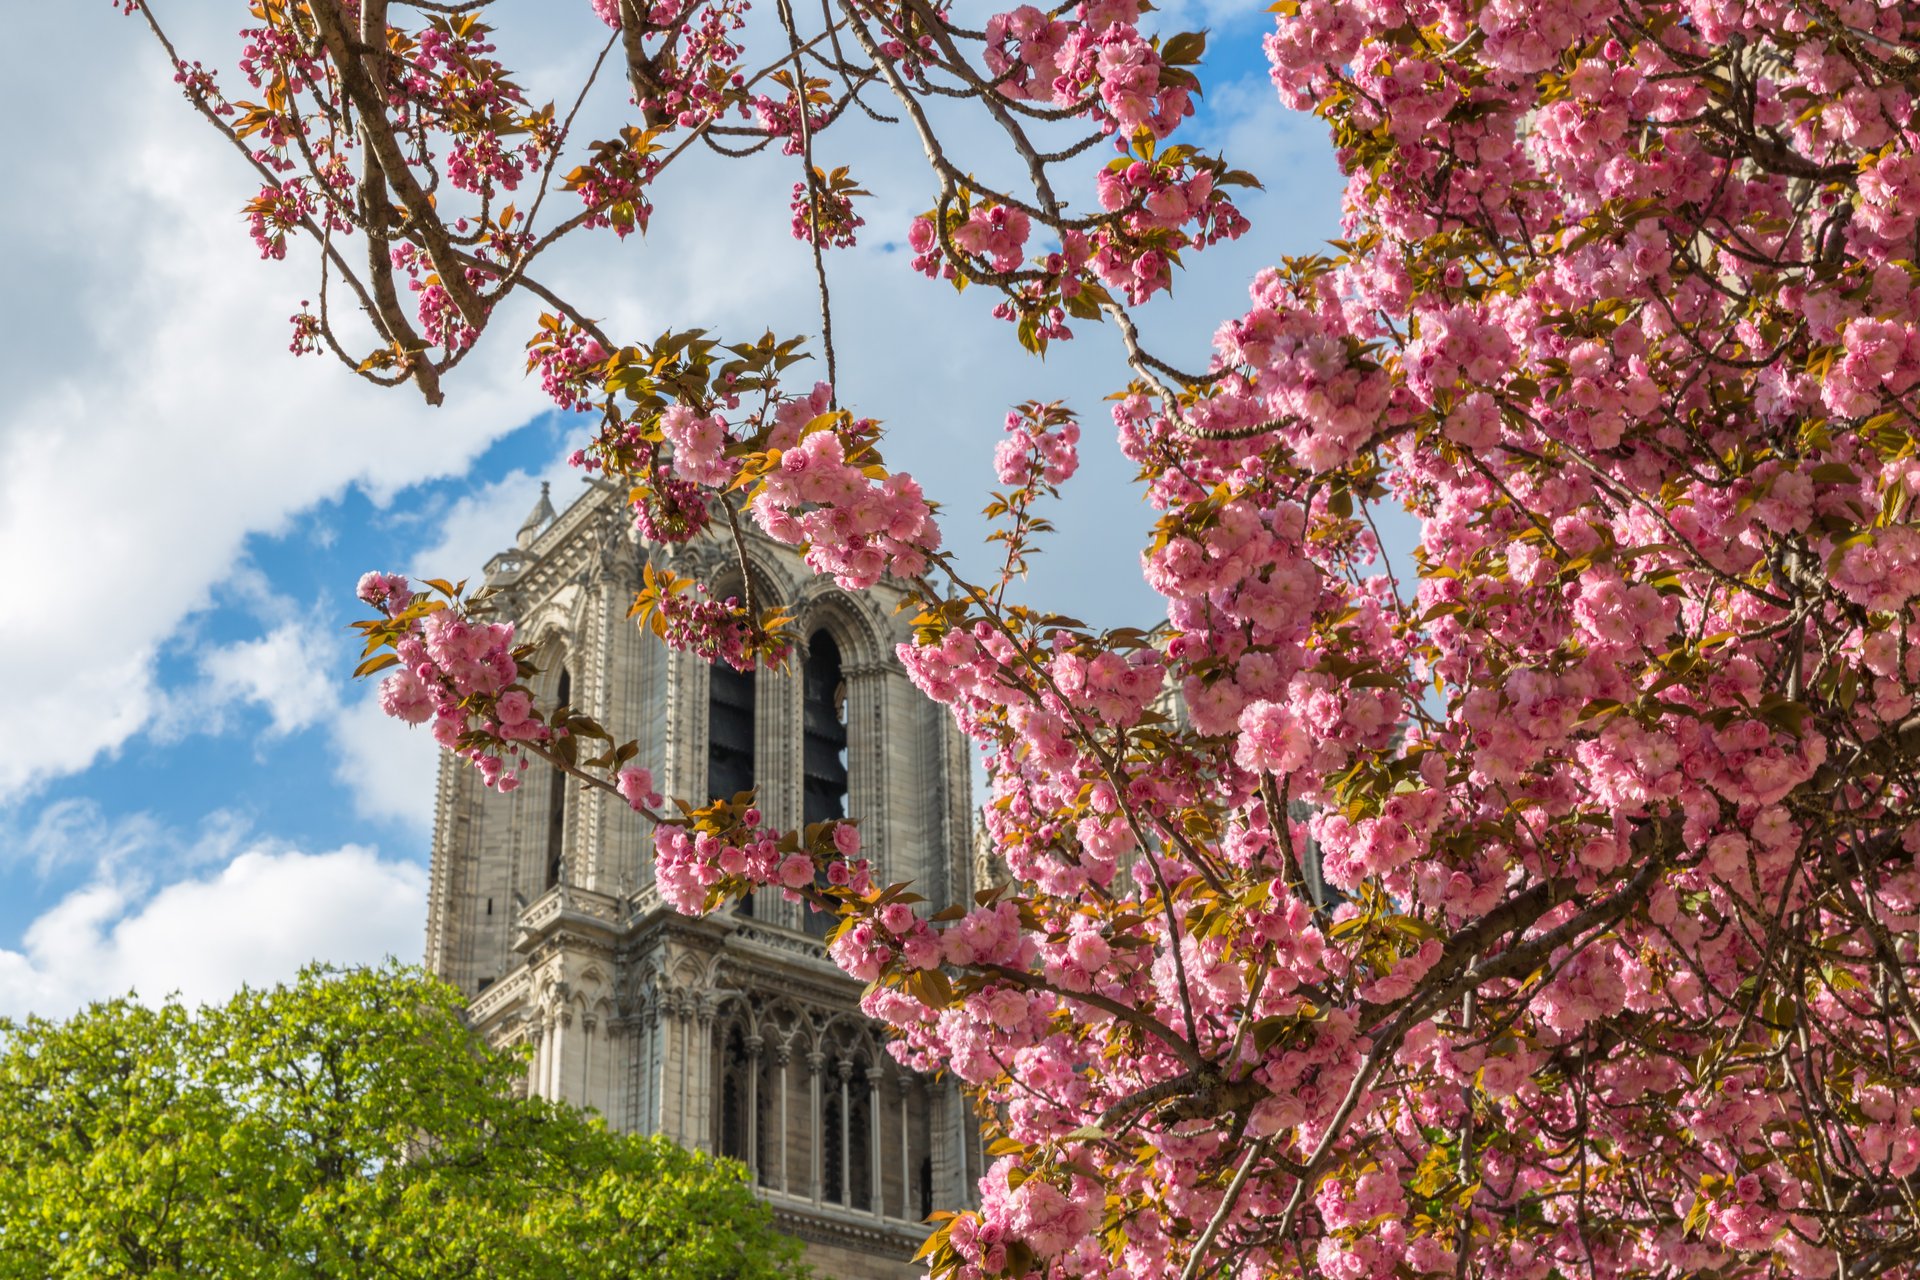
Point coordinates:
[(859, 629)]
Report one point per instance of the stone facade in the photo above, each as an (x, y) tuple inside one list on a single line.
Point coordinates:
[(733, 1034)]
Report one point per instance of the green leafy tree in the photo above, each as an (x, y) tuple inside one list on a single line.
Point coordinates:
[(345, 1125)]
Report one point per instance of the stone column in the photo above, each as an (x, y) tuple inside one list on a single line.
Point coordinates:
[(654, 1065), (537, 1066), (701, 1068), (874, 1180), (780, 1057), (844, 1069), (866, 761), (949, 1162), (815, 1061), (557, 1060), (590, 1094), (904, 1083), (754, 1045), (620, 1040)]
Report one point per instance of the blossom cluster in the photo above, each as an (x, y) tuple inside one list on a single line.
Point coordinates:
[(461, 673)]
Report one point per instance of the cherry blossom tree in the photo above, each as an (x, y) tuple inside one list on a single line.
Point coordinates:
[(1544, 907)]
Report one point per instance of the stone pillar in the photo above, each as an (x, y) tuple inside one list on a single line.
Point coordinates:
[(591, 1094), (654, 1104), (780, 1057), (904, 1083), (815, 1061), (844, 1069), (557, 1059), (537, 1065), (701, 1067), (874, 1152), (682, 1067), (754, 1045)]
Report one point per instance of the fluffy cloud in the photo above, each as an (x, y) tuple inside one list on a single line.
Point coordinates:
[(76, 832), (286, 671), (255, 920)]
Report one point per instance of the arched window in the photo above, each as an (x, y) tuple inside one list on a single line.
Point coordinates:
[(557, 800), (824, 754)]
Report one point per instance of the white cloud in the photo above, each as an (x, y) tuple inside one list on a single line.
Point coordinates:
[(285, 671), (75, 831), (483, 523), (256, 920), (288, 670), (390, 768)]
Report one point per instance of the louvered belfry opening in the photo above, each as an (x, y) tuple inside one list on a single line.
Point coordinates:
[(730, 716), (826, 731), (731, 708), (824, 757), (557, 798)]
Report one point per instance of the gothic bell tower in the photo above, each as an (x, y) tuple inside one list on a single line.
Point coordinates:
[(732, 1034)]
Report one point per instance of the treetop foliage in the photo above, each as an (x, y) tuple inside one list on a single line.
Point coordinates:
[(347, 1124)]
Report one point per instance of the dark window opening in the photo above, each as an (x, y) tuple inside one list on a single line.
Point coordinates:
[(859, 1138), (926, 1187), (772, 1079), (831, 1184), (734, 1069), (824, 746), (557, 801), (733, 1120), (730, 716), (733, 1130), (826, 732), (730, 726)]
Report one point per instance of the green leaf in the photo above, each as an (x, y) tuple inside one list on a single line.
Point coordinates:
[(1184, 49)]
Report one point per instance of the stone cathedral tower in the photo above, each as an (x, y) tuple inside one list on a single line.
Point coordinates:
[(732, 1034)]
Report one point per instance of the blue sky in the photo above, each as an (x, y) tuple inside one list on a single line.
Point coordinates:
[(194, 794)]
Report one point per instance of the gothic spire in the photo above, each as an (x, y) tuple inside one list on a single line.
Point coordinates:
[(537, 519)]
